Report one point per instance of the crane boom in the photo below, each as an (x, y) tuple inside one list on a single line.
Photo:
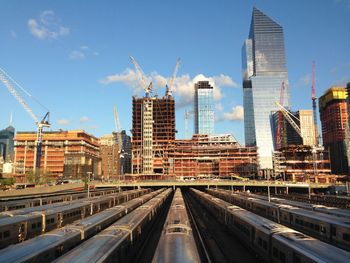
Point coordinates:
[(287, 115), (119, 139), (313, 97), (8, 82), (280, 121), (169, 86), (147, 87), (6, 79)]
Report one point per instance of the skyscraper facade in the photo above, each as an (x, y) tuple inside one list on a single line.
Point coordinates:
[(203, 108), (264, 73)]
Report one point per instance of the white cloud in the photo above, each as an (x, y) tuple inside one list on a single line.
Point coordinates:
[(183, 86), (47, 26), (84, 119), (237, 113), (64, 122), (219, 107), (76, 55), (82, 53)]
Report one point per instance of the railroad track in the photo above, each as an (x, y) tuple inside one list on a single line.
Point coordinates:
[(216, 242)]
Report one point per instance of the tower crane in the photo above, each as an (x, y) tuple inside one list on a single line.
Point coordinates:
[(313, 97), (289, 116), (44, 123), (147, 87), (169, 86), (119, 138)]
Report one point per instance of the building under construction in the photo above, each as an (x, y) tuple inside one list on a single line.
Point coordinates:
[(68, 154), (153, 131), (209, 155), (300, 163)]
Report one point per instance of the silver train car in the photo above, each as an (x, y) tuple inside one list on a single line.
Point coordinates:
[(9, 205), (318, 208), (21, 227), (49, 246), (329, 228), (117, 242), (271, 241), (177, 244)]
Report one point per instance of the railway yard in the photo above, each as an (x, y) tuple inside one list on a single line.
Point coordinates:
[(184, 224)]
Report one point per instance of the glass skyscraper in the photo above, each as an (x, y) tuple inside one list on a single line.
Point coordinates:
[(264, 71), (203, 108)]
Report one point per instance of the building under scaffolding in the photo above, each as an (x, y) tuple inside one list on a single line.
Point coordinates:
[(208, 156), (153, 130), (305, 163)]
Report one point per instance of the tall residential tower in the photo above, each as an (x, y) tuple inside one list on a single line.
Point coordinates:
[(203, 108), (264, 71)]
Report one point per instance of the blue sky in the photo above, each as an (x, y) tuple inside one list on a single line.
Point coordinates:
[(73, 56)]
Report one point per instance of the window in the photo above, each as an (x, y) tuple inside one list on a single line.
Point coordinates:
[(275, 252), (0, 235), (282, 257), (33, 226), (265, 245), (260, 241), (346, 237), (6, 234), (323, 229)]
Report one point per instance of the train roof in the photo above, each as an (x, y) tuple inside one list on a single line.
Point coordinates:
[(332, 210), (16, 219), (313, 248), (25, 250)]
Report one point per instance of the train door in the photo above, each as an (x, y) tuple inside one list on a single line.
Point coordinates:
[(333, 234), (22, 231), (59, 220)]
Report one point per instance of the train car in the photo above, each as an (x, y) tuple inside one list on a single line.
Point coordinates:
[(274, 242), (293, 246), (115, 243), (328, 228), (53, 244), (177, 243), (332, 211), (38, 222)]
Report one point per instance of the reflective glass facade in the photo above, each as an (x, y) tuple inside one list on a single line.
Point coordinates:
[(203, 108), (264, 71)]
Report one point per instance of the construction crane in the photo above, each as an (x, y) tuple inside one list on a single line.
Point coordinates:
[(169, 86), (44, 123), (313, 97), (289, 116), (280, 121), (147, 87), (119, 138)]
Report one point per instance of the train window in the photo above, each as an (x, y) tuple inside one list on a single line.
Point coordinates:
[(260, 241), (1, 235), (33, 226), (6, 234), (323, 229), (265, 245), (346, 237), (275, 252), (333, 231), (282, 257), (52, 220), (312, 225), (317, 228), (38, 224)]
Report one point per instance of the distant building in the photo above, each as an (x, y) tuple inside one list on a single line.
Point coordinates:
[(127, 152), (264, 73), (288, 134), (203, 108), (68, 154), (153, 128), (334, 120), (110, 157), (7, 143)]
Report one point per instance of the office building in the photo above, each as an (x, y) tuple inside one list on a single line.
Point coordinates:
[(334, 121), (264, 73), (7, 144), (203, 108)]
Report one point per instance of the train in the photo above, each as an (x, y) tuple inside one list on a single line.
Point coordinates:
[(272, 242), (332, 229), (119, 242), (26, 202), (20, 227), (49, 246), (177, 244), (318, 208)]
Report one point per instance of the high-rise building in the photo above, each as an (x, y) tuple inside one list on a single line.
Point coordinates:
[(334, 120), (203, 108), (7, 143), (264, 73), (110, 157), (153, 128), (71, 154)]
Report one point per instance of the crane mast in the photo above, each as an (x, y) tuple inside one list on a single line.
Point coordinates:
[(119, 139), (313, 97), (44, 123)]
